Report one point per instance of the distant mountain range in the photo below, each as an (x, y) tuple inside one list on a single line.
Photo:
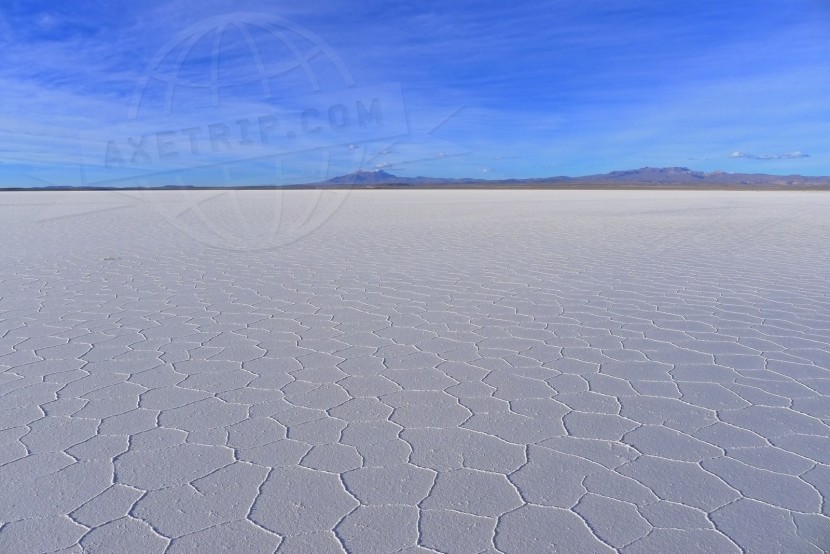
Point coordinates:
[(646, 177)]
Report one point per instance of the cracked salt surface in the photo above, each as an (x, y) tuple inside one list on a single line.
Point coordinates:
[(430, 371)]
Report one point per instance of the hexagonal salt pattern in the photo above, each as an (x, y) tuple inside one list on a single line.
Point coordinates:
[(430, 371)]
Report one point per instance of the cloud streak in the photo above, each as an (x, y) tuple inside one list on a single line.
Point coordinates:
[(788, 156)]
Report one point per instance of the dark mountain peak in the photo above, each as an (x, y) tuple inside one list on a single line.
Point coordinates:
[(364, 177), (651, 175)]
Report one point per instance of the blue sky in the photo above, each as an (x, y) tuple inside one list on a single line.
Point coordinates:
[(485, 89)]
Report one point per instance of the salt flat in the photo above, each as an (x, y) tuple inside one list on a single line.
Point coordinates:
[(415, 371)]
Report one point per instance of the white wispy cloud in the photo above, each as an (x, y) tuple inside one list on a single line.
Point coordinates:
[(788, 156)]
